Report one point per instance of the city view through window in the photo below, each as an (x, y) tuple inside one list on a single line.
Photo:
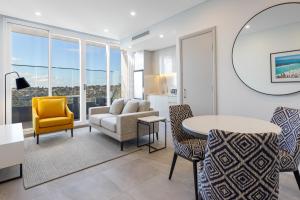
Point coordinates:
[(30, 58)]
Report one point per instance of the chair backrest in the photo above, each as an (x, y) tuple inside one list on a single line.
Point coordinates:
[(36, 99), (289, 121), (178, 113), (240, 166)]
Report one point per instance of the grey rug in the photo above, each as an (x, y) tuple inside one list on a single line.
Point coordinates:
[(59, 155)]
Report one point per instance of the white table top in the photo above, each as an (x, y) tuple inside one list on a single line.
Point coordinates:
[(11, 133), (203, 124), (151, 119)]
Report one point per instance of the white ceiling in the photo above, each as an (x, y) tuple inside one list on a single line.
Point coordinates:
[(93, 16)]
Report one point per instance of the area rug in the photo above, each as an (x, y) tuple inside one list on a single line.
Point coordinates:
[(59, 155)]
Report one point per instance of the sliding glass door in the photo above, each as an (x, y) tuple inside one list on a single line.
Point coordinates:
[(96, 80), (57, 65), (29, 57), (65, 66)]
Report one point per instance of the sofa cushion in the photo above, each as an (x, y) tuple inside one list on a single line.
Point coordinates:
[(109, 123), (144, 106), (116, 107), (55, 121), (96, 119), (131, 107), (48, 108)]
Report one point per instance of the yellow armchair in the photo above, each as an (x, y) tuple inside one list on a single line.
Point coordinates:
[(50, 114)]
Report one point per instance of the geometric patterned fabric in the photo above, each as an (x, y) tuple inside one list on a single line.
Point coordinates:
[(185, 144), (239, 166), (289, 139)]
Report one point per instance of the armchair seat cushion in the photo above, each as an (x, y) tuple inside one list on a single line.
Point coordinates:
[(96, 119), (109, 123), (55, 121)]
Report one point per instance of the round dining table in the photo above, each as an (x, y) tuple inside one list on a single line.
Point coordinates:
[(200, 126)]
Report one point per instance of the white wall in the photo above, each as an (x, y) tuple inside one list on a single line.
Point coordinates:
[(1, 72), (164, 60), (229, 16)]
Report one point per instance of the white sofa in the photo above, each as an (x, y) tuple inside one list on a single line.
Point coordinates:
[(122, 127)]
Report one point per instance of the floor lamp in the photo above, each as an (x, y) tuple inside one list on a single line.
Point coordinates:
[(21, 83)]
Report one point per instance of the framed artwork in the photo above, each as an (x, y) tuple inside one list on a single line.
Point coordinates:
[(285, 66)]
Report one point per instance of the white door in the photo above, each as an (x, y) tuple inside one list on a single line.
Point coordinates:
[(198, 72)]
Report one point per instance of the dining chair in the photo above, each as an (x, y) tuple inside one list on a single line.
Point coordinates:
[(185, 145), (289, 139), (239, 166)]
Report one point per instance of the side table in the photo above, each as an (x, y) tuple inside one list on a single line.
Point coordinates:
[(11, 147), (150, 121)]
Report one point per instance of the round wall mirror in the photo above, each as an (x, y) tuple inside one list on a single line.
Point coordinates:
[(266, 51)]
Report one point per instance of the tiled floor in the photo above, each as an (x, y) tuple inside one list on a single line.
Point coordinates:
[(138, 176)]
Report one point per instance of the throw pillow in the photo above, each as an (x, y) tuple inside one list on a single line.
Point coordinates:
[(116, 107), (144, 106), (131, 107)]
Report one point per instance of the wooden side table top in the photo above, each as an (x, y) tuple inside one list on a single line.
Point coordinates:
[(151, 119)]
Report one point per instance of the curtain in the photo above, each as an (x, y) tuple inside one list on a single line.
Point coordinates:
[(127, 67)]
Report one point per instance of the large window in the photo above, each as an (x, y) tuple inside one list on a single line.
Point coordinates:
[(65, 62), (52, 65), (29, 57), (115, 73), (95, 75)]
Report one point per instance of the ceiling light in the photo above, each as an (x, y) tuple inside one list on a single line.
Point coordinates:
[(129, 47), (38, 13), (132, 13), (106, 30), (161, 36), (247, 26)]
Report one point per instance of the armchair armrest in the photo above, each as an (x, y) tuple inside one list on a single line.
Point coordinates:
[(98, 110), (35, 119), (70, 114), (127, 123)]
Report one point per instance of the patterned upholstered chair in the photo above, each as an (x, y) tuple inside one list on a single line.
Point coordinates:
[(289, 139), (239, 166), (185, 145)]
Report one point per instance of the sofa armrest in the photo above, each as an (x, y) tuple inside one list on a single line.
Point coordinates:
[(127, 123), (98, 110)]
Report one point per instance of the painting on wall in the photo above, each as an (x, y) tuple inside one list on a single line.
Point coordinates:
[(285, 66)]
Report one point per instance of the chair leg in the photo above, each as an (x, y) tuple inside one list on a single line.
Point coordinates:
[(37, 139), (122, 146), (71, 132), (156, 135), (297, 176), (34, 134), (195, 178), (173, 165), (90, 128)]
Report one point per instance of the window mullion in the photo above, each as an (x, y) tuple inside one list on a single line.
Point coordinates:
[(49, 66)]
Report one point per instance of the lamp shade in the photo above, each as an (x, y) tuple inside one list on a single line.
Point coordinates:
[(21, 83)]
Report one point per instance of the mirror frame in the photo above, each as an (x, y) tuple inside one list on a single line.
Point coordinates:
[(234, 43)]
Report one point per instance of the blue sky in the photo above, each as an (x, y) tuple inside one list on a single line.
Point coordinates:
[(33, 50)]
